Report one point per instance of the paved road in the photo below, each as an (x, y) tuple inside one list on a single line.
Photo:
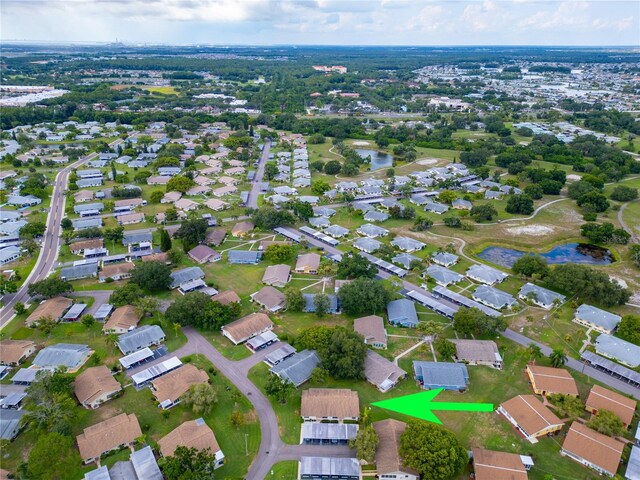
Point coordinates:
[(272, 448), (50, 244), (252, 201), (577, 365)]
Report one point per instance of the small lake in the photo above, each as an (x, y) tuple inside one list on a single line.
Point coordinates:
[(378, 159), (566, 253)]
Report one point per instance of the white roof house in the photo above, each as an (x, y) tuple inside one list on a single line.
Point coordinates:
[(407, 244), (443, 276), (486, 274), (493, 297), (617, 349), (540, 296), (372, 231), (596, 318)]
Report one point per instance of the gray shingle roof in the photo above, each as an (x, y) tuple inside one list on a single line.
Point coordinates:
[(493, 297), (79, 271), (402, 312), (541, 295), (597, 316), (185, 275), (618, 349), (407, 244), (444, 258), (70, 355), (442, 374), (140, 338), (298, 368), (443, 275), (367, 244), (404, 259)]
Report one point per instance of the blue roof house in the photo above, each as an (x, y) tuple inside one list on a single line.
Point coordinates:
[(402, 312), (450, 376)]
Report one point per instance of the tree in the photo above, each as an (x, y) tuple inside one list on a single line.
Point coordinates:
[(429, 330), (49, 288), (534, 191), (629, 329), (278, 388), (475, 158), (472, 321), (445, 348), (365, 444), (522, 204), (447, 196), (201, 397), (156, 196), (165, 240), (88, 320), (607, 423), (432, 450), (332, 167), (622, 193), (295, 300), (236, 419), (634, 254), (453, 222), (355, 266), (580, 188), (530, 265), (66, 224), (192, 232), (321, 302), (33, 230), (197, 309), (149, 305), (421, 224), (593, 201), (49, 402), (344, 357), (557, 357), (303, 210), (278, 252), (180, 183), (587, 284), (316, 338), (268, 218), (8, 286), (319, 187), (115, 234), (52, 457), (20, 308), (566, 405), (482, 213), (189, 464), (127, 294), (152, 276), (270, 171), (363, 296), (534, 352)]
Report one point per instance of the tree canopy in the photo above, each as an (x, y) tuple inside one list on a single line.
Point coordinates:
[(472, 321), (587, 284), (49, 288), (363, 296), (629, 329), (189, 464), (126, 294), (530, 265), (152, 276), (52, 457), (268, 218), (344, 357), (192, 232), (197, 309), (355, 266), (432, 450), (607, 423)]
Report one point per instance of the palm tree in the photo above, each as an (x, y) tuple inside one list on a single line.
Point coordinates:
[(112, 340), (430, 330), (534, 351), (557, 357)]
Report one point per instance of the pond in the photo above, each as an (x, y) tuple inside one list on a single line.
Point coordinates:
[(565, 253), (378, 159)]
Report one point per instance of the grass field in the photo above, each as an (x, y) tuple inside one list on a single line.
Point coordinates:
[(287, 470)]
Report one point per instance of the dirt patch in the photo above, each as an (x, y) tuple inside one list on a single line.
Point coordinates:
[(427, 161), (619, 281), (250, 417), (361, 143), (573, 177), (531, 230)]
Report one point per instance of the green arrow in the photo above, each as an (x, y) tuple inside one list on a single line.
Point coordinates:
[(420, 405)]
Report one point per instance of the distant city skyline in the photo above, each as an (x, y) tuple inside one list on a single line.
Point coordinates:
[(325, 22)]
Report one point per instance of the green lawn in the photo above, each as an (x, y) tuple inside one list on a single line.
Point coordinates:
[(287, 470)]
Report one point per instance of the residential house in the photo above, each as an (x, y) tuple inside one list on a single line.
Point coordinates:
[(192, 434), (297, 368), (185, 275), (78, 248), (601, 398), (493, 297), (139, 338), (530, 417), (14, 352), (130, 218), (308, 263), (485, 274), (78, 272), (215, 237), (493, 465), (381, 372), (319, 222), (367, 245), (186, 205), (204, 254), (592, 449), (142, 465), (168, 388), (216, 205), (277, 275), (460, 204), (448, 376), (226, 297), (171, 197), (122, 320), (389, 464), (269, 298), (597, 319), (443, 276), (548, 380), (95, 386), (478, 352), (402, 312), (619, 350), (372, 329), (375, 216), (111, 434), (435, 207), (52, 308), (406, 260), (310, 306), (9, 254), (540, 296), (336, 231), (11, 423), (407, 244), (329, 404), (247, 327), (372, 231), (328, 433), (244, 257), (117, 271)]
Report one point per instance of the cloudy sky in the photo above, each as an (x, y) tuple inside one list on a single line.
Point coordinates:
[(347, 22)]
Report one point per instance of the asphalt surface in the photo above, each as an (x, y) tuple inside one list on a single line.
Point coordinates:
[(272, 448), (51, 241), (510, 334), (252, 201)]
